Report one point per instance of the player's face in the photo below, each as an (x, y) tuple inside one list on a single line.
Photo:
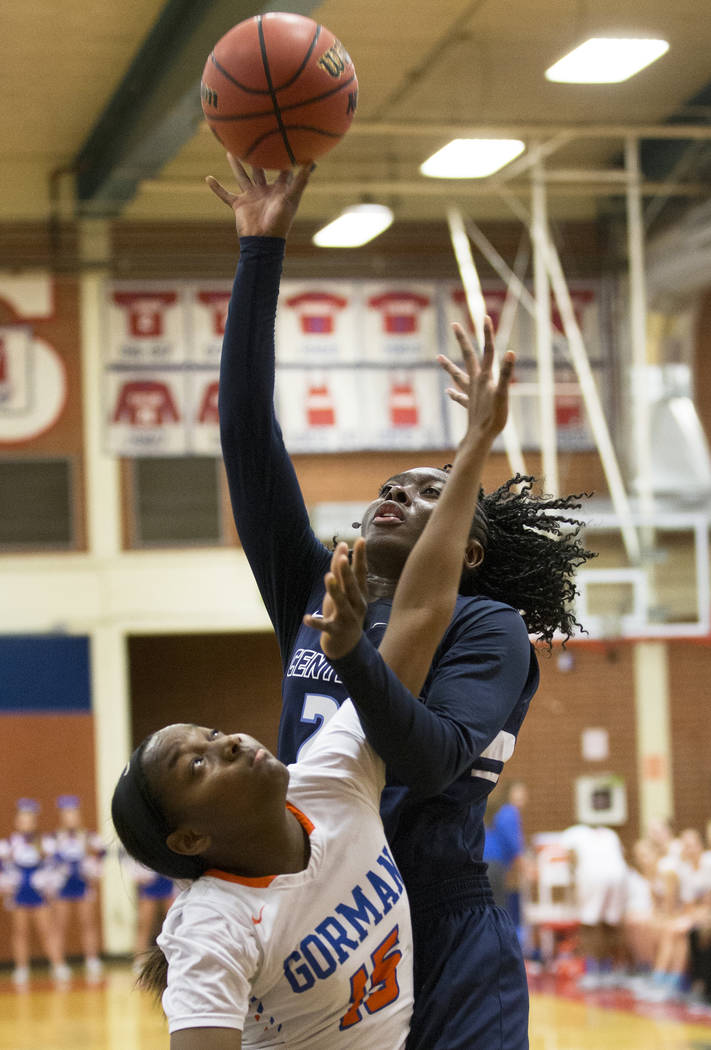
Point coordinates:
[(211, 780), (393, 521)]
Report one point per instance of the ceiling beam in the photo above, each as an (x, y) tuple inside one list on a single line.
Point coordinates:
[(156, 108)]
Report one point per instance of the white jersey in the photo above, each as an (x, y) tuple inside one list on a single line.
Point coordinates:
[(319, 959), (598, 851)]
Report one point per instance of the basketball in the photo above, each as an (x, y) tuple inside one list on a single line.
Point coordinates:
[(279, 90)]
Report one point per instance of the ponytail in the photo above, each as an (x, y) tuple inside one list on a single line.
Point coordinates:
[(153, 975)]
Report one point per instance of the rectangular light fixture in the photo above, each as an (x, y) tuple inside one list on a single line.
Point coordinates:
[(471, 158), (354, 226), (606, 60)]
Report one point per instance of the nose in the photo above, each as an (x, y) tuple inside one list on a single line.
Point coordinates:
[(398, 494), (230, 746)]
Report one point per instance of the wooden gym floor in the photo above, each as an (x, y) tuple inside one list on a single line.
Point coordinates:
[(113, 1016)]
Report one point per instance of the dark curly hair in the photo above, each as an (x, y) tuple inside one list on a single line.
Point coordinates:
[(531, 551)]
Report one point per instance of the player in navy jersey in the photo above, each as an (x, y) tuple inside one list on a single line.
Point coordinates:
[(294, 929), (470, 983)]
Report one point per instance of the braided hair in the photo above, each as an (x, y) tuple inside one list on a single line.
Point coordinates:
[(531, 551)]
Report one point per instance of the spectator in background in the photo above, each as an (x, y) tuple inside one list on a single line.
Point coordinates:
[(642, 909), (660, 832), (687, 903), (505, 848), (78, 855), (600, 877), (30, 877)]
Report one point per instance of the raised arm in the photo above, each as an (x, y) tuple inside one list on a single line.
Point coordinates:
[(427, 589), (284, 555)]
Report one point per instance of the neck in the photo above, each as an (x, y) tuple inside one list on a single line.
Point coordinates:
[(279, 849), (380, 586)]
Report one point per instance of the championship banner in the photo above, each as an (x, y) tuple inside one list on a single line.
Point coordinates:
[(203, 389), (318, 323), (404, 409), (146, 325), (147, 412), (355, 365), (320, 410), (207, 309), (400, 322)]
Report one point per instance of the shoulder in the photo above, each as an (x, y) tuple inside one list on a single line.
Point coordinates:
[(341, 754), (477, 608), (209, 904), (484, 624)]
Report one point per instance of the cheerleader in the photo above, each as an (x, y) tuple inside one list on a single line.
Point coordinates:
[(77, 856), (30, 878)]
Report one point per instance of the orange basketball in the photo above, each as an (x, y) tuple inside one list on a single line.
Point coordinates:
[(278, 90)]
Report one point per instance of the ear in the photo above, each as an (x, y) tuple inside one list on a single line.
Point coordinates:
[(187, 842), (473, 554)]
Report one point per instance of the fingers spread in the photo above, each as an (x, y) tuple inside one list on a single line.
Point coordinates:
[(460, 377), (243, 179), (458, 396), (488, 355), (219, 190)]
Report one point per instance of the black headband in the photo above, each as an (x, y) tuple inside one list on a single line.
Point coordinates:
[(141, 823)]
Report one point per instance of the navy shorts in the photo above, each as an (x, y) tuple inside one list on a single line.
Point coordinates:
[(471, 991)]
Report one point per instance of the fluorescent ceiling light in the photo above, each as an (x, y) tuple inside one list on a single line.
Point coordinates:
[(471, 158), (354, 226), (606, 60)]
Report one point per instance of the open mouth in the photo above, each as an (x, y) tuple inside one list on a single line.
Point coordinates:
[(389, 513)]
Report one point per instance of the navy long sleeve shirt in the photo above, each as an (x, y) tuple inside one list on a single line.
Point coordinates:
[(445, 750)]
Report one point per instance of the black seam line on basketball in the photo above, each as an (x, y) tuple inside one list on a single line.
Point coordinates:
[(265, 91), (268, 74), (285, 109), (292, 127), (233, 80)]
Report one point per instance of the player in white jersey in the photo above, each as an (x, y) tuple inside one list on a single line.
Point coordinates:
[(295, 931)]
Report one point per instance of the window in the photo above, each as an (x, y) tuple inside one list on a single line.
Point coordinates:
[(176, 501), (36, 504)]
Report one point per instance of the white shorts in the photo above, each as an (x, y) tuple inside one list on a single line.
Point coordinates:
[(601, 899)]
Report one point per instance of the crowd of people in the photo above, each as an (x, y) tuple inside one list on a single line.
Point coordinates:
[(49, 883), (643, 917)]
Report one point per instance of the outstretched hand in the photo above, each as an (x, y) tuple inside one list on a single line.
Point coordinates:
[(261, 208), (485, 399), (345, 603)]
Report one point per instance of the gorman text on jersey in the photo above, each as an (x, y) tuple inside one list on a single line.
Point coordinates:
[(339, 934)]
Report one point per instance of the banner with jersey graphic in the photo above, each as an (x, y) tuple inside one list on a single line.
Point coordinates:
[(356, 365)]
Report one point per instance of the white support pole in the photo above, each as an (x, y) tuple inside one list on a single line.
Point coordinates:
[(477, 309), (544, 331), (593, 405), (588, 389), (511, 278), (467, 271), (109, 671), (653, 724), (513, 296), (638, 329)]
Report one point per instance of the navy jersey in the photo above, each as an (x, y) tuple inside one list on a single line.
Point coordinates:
[(443, 761)]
